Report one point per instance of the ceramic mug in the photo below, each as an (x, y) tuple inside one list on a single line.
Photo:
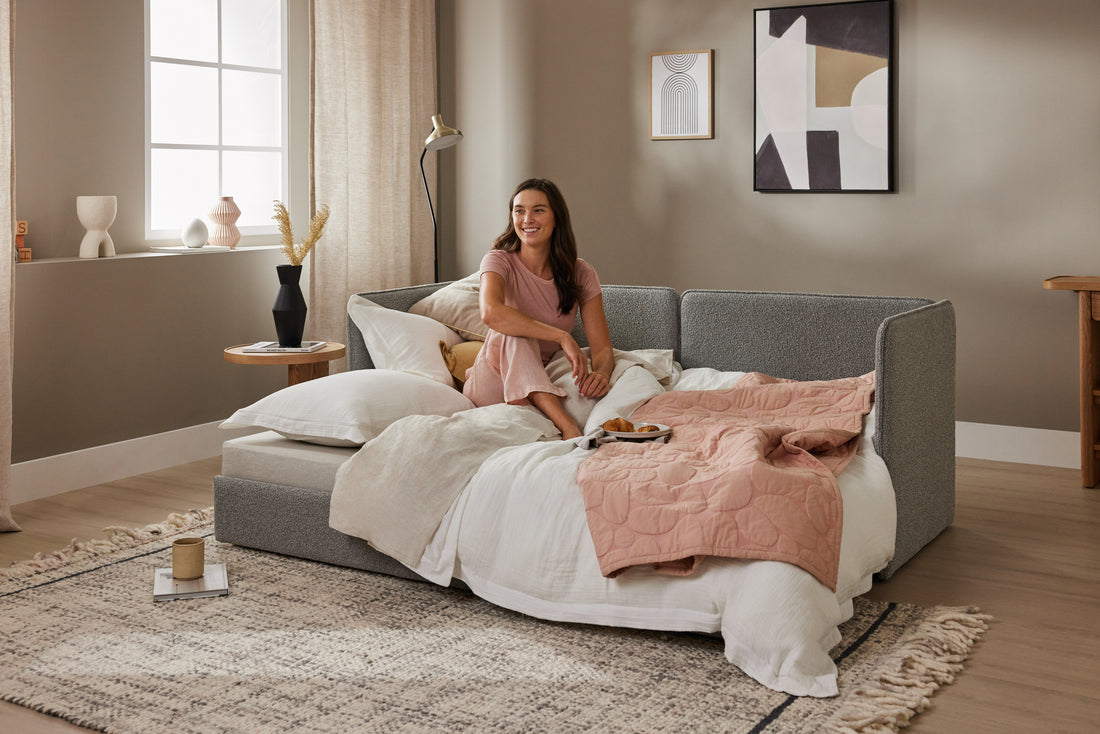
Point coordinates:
[(188, 558)]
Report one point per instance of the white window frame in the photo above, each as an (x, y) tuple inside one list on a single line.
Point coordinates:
[(256, 235)]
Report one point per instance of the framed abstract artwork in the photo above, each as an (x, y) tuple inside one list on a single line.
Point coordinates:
[(681, 88), (825, 97)]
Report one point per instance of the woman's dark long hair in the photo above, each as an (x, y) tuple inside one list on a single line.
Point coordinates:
[(563, 246)]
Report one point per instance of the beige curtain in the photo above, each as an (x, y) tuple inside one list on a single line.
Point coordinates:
[(373, 95), (7, 252)]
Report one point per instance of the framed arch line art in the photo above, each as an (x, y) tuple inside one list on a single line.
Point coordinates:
[(681, 105), (824, 80)]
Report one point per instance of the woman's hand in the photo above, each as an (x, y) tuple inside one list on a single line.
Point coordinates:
[(595, 385), (590, 383), (598, 381), (576, 357)]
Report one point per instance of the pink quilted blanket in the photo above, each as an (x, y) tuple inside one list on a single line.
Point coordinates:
[(748, 472)]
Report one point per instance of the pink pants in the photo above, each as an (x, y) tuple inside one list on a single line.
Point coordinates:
[(507, 370)]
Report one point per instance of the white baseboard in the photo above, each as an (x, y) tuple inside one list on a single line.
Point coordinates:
[(1018, 445), (52, 475)]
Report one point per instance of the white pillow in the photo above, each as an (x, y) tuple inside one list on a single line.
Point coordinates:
[(403, 341), (349, 408), (706, 378), (456, 305)]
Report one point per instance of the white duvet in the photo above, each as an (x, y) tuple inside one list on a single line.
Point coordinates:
[(517, 535)]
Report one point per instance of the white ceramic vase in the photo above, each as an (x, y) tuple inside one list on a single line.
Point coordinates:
[(224, 216), (194, 234), (96, 214)]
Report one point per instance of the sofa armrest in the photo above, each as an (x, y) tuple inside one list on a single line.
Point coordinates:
[(915, 422)]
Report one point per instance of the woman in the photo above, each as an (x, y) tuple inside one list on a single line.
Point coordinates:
[(532, 284)]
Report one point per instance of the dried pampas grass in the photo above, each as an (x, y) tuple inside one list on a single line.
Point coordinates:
[(297, 253)]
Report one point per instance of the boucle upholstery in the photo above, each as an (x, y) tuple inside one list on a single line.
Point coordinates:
[(909, 342)]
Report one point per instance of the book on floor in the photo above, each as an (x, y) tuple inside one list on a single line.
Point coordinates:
[(213, 582), (273, 347)]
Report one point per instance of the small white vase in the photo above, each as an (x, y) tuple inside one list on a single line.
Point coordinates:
[(96, 214), (194, 233), (224, 216)]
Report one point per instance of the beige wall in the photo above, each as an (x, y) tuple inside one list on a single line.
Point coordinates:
[(998, 168), (79, 118), (998, 163), (114, 349)]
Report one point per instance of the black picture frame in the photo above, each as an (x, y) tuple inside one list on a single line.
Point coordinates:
[(824, 93)]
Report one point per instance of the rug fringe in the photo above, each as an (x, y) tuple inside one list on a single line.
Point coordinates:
[(930, 658), (118, 537)]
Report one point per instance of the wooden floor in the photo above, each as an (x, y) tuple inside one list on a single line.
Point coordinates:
[(1025, 547)]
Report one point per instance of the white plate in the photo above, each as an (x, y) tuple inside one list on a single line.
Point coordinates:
[(663, 430)]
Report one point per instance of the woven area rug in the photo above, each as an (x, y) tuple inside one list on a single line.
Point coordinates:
[(305, 647)]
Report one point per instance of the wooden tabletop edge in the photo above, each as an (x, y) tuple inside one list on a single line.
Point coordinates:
[(1073, 283)]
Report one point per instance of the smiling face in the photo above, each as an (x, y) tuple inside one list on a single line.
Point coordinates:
[(532, 218)]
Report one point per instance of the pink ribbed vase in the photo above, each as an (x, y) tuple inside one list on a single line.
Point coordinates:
[(224, 216)]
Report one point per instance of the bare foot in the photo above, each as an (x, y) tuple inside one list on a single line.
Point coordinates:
[(551, 407)]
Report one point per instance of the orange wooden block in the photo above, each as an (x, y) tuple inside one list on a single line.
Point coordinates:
[(19, 240)]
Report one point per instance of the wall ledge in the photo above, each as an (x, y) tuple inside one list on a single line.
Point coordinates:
[(208, 249), (155, 251)]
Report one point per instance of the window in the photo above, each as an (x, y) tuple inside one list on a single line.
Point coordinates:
[(216, 111)]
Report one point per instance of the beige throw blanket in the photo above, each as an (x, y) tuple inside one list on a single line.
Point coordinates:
[(396, 489), (749, 472)]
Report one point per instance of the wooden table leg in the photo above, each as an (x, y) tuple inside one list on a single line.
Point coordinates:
[(302, 372), (1090, 362)]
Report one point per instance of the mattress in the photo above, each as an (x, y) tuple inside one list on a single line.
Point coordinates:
[(268, 457)]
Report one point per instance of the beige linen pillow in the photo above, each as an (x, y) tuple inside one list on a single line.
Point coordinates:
[(456, 306)]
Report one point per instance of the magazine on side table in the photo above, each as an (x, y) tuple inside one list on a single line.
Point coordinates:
[(274, 348), (213, 582)]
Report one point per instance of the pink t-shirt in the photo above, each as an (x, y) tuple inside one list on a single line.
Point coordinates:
[(537, 297)]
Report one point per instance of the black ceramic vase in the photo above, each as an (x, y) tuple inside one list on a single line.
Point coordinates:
[(290, 306)]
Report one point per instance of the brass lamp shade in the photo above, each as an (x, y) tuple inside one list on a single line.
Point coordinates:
[(442, 136)]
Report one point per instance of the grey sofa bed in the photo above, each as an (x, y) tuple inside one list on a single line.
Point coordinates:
[(273, 493)]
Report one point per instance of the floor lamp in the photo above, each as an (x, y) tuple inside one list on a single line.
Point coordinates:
[(442, 137)]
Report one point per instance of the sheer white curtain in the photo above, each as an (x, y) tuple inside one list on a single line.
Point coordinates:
[(373, 97), (7, 251)]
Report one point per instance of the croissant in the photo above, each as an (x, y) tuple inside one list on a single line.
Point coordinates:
[(620, 425), (647, 429)]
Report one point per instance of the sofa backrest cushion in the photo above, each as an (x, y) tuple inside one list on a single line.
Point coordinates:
[(795, 335), (639, 317)]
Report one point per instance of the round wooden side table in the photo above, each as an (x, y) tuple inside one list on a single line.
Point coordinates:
[(300, 366)]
